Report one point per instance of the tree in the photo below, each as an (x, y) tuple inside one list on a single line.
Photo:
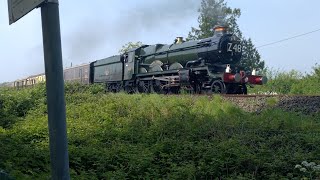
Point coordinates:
[(216, 12), (251, 58), (129, 45)]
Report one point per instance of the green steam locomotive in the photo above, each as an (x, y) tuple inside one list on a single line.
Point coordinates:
[(201, 66)]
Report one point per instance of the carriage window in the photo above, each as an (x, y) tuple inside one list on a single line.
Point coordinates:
[(80, 72), (74, 73)]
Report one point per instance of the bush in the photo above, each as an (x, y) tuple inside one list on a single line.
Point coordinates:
[(120, 136), (292, 82), (15, 104)]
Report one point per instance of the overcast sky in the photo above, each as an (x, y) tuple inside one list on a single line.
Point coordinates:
[(96, 29)]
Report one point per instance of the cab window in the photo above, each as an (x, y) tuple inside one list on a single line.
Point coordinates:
[(131, 57)]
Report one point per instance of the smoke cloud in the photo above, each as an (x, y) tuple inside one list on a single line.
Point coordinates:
[(99, 37)]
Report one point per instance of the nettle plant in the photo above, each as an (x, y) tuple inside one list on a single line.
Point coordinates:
[(309, 169)]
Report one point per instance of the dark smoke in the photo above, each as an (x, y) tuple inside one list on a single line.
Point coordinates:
[(93, 37), (85, 41)]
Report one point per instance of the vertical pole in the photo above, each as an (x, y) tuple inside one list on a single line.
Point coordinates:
[(55, 90)]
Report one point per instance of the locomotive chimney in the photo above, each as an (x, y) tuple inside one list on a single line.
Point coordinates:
[(219, 30), (179, 40)]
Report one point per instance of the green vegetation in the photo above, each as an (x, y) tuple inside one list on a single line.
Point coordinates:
[(120, 136), (292, 82), (125, 48)]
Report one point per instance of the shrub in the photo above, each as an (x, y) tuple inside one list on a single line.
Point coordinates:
[(120, 136), (292, 82)]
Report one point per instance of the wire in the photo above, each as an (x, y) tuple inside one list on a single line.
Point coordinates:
[(286, 39)]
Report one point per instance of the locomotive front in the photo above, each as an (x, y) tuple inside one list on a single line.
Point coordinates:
[(225, 48), (224, 52)]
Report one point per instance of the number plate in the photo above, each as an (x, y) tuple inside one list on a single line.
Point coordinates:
[(233, 47)]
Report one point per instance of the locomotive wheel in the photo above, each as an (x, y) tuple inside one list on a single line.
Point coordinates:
[(143, 87), (218, 87), (236, 89), (244, 89), (175, 90), (108, 88), (130, 89), (118, 87), (113, 87), (157, 87), (196, 89)]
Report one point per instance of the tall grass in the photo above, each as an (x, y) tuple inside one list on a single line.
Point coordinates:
[(292, 82), (120, 136)]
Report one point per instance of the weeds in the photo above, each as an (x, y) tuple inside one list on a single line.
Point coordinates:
[(120, 136)]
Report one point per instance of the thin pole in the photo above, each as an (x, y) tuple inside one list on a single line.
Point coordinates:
[(55, 90)]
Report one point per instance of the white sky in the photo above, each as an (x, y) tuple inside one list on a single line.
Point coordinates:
[(96, 29)]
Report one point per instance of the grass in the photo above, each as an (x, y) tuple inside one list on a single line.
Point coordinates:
[(120, 136)]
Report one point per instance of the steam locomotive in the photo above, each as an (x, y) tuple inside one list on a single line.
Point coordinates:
[(201, 66)]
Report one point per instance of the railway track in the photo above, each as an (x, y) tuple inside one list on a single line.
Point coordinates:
[(305, 104), (267, 95)]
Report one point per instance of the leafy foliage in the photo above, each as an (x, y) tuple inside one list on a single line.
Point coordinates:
[(214, 12), (251, 58), (309, 84), (125, 48), (120, 136), (309, 170), (15, 105), (292, 82)]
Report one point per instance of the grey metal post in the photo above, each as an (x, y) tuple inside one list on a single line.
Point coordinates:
[(55, 90)]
